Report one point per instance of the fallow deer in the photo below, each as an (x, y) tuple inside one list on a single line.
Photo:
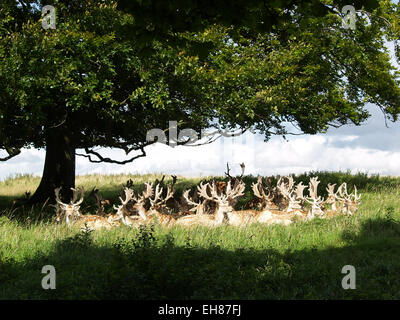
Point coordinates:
[(70, 212), (247, 217), (124, 213), (314, 200), (349, 203), (100, 202), (153, 213), (223, 208), (294, 198)]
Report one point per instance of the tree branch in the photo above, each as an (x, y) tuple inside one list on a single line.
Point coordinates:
[(11, 154), (108, 160)]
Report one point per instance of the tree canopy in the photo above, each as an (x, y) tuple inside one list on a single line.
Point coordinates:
[(113, 70)]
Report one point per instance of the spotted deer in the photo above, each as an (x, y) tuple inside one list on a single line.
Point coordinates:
[(247, 217), (124, 211), (70, 212), (100, 202), (294, 198), (208, 191), (269, 212), (314, 200), (150, 205), (349, 203)]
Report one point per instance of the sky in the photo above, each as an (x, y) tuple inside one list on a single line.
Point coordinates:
[(371, 148)]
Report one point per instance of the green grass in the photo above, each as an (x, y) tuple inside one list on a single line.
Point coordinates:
[(302, 261)]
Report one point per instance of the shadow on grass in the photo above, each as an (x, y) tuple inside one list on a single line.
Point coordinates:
[(151, 267)]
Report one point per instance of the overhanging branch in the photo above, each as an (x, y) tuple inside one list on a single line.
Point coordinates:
[(108, 160), (11, 154)]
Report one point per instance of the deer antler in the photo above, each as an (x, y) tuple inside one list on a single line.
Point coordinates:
[(57, 193), (356, 197), (294, 196), (129, 194), (197, 206), (122, 210), (243, 167), (158, 201), (71, 209), (313, 199), (331, 199), (80, 190), (238, 178), (258, 190), (236, 191)]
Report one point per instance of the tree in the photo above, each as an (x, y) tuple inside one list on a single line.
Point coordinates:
[(100, 80)]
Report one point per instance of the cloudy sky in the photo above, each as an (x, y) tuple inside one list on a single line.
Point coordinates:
[(371, 148)]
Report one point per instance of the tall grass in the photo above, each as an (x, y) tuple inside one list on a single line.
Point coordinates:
[(301, 261)]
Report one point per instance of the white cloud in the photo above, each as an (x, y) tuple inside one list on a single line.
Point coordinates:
[(299, 154)]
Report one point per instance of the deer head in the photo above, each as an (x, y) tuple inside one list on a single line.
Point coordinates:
[(294, 196), (198, 207), (222, 199), (313, 199), (159, 201), (100, 202), (331, 199), (349, 203), (266, 198), (123, 210), (70, 210)]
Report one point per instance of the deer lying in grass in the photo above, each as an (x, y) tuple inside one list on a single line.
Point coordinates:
[(141, 202), (225, 212), (314, 200), (349, 203), (100, 202), (269, 212), (294, 199), (201, 218), (124, 212), (330, 206), (157, 207), (70, 212)]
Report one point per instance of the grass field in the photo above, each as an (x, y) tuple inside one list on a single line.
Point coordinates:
[(301, 261)]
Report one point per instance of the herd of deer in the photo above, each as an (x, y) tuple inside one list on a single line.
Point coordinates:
[(211, 204)]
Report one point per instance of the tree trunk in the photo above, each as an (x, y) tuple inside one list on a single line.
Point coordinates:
[(59, 167)]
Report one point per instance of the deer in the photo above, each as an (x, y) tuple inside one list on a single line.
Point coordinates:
[(314, 200), (70, 212), (100, 202), (269, 213), (266, 200), (197, 207), (294, 198), (349, 203), (157, 204), (333, 208), (245, 217), (233, 180), (218, 217), (124, 213)]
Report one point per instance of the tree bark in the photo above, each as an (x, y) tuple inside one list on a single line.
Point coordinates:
[(59, 167)]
